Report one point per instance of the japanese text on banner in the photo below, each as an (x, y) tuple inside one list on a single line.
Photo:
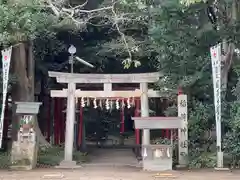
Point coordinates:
[(6, 58)]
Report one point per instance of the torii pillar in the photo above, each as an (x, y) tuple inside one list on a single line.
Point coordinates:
[(145, 111), (69, 134)]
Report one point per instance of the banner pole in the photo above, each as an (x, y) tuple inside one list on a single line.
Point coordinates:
[(6, 59), (216, 74)]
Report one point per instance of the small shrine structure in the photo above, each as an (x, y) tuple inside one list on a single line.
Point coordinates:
[(158, 157), (71, 93)]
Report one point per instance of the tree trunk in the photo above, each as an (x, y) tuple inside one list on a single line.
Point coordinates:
[(23, 67), (44, 108)]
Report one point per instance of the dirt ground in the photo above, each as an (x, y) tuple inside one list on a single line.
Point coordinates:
[(116, 173)]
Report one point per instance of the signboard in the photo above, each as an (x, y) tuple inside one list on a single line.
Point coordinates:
[(216, 74), (6, 59), (183, 131)]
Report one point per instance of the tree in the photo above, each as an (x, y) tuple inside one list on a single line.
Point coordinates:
[(25, 21), (182, 36), (178, 45), (22, 22)]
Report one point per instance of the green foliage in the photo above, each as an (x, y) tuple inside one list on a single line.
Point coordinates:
[(54, 155), (161, 141), (4, 160), (201, 142), (46, 157), (205, 160), (23, 20), (178, 37), (231, 141), (181, 37), (189, 2)]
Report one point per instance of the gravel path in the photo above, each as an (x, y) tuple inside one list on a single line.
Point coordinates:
[(117, 173)]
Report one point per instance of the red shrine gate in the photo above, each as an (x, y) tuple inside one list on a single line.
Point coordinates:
[(59, 121), (54, 125), (108, 94)]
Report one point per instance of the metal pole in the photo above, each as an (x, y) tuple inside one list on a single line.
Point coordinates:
[(71, 61)]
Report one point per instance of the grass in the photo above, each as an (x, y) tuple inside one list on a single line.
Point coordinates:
[(4, 160), (46, 158), (54, 155)]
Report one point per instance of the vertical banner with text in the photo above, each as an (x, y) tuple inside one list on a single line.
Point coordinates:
[(6, 59), (216, 75), (183, 132)]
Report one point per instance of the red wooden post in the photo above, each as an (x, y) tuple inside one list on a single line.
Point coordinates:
[(80, 127), (122, 119), (61, 120), (137, 114), (48, 118), (167, 134), (180, 91), (163, 133), (56, 121)]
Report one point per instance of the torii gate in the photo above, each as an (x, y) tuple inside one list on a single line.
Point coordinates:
[(113, 95), (107, 79)]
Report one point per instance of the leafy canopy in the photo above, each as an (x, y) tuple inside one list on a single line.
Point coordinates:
[(23, 20)]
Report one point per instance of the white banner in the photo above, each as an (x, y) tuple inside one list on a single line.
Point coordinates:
[(216, 74), (6, 59), (183, 132)]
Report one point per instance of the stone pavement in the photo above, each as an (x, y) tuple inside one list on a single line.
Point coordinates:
[(116, 173), (112, 157)]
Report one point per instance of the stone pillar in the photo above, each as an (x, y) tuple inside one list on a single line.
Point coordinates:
[(69, 133), (24, 150), (183, 131), (145, 111)]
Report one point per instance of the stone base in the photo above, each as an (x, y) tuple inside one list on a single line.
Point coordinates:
[(157, 165), (23, 155), (68, 165), (221, 169), (25, 168), (181, 166)]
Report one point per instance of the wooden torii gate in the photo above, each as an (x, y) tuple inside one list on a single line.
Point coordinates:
[(107, 80)]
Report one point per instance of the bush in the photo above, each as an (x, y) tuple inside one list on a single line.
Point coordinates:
[(231, 141), (4, 160), (54, 155)]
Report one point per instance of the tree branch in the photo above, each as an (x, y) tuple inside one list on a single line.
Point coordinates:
[(54, 8), (81, 5), (121, 33), (72, 12)]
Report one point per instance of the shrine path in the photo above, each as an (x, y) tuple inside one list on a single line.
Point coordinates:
[(112, 157), (114, 173)]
